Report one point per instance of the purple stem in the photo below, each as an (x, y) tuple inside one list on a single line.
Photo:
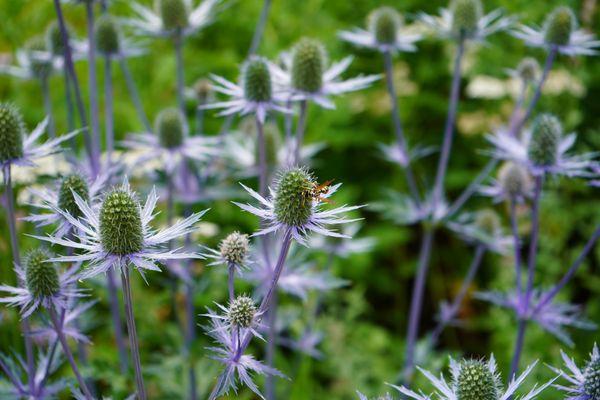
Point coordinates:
[(113, 299), (416, 304), (12, 378), (300, 128), (109, 109), (399, 131), (455, 306), (270, 348), (517, 247), (94, 114), (48, 106), (178, 44), (133, 339), (260, 28), (65, 346), (516, 114), (190, 336), (262, 158), (133, 92), (231, 282)]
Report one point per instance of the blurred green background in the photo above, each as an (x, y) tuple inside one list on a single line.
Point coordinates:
[(364, 323)]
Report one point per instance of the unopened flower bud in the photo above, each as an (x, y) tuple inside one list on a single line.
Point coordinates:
[(41, 276), (293, 201), (559, 25), (234, 248), (41, 64), (545, 139), (308, 65), (529, 69), (384, 23), (11, 132), (203, 89), (174, 13), (241, 312), (465, 16), (257, 80), (475, 381), (169, 127), (120, 223), (514, 180), (107, 35)]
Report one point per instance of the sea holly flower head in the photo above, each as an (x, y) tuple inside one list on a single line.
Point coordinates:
[(528, 70), (257, 80), (169, 126), (559, 33), (54, 39), (476, 381), (295, 204), (385, 32), (308, 64), (40, 284), (241, 312), (233, 252), (513, 183), (545, 138), (465, 16), (584, 382), (107, 35), (40, 60), (174, 13)]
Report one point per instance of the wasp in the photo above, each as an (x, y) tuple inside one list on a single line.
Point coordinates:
[(317, 191)]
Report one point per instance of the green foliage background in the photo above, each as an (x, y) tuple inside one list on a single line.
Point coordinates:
[(364, 323)]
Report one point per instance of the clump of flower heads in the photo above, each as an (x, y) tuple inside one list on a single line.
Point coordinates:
[(545, 139), (384, 23), (73, 183), (309, 60), (120, 223), (169, 127), (241, 312), (12, 128), (107, 35)]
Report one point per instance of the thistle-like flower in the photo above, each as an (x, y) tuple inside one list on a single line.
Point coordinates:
[(241, 315), (513, 183), (295, 204), (584, 382), (528, 71), (385, 33), (465, 19), (560, 33), (19, 148), (110, 41), (40, 284), (117, 234), (474, 380), (484, 228), (172, 17), (233, 252), (305, 75), (171, 143), (542, 149), (256, 93), (34, 61)]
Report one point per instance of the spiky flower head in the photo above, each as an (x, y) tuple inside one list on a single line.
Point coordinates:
[(257, 80), (241, 312), (591, 378), (169, 127), (384, 23), (174, 13), (309, 60), (488, 221), (40, 65), (293, 201), (73, 183), (41, 276), (559, 25), (528, 69), (54, 40), (203, 89), (545, 139), (107, 35), (234, 248), (121, 230), (514, 180), (12, 129), (475, 381), (465, 16)]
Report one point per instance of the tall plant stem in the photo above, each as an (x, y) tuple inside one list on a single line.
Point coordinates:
[(262, 158), (398, 129), (516, 247), (231, 281), (178, 44), (14, 243), (94, 113), (65, 346), (271, 347), (109, 108), (260, 28), (516, 114), (113, 299), (455, 306), (69, 106), (48, 106), (300, 129), (525, 299), (134, 93), (416, 304), (133, 339), (189, 337), (94, 162)]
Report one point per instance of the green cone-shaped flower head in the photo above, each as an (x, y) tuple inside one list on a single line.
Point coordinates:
[(293, 201), (41, 276), (174, 13), (257, 80), (40, 65), (487, 221), (559, 25), (120, 223), (465, 16), (203, 89), (309, 60), (514, 180), (54, 40), (475, 381), (384, 23), (12, 130), (591, 379), (234, 248), (169, 127), (73, 183), (528, 69), (545, 139), (107, 35), (241, 311)]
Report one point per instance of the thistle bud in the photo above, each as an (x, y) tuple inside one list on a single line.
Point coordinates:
[(475, 381), (514, 180), (11, 133), (559, 25), (40, 64), (41, 276), (70, 184), (488, 222), (241, 312), (107, 35), (465, 16), (384, 23), (174, 13), (591, 379), (257, 80), (293, 201), (528, 69), (54, 40), (545, 139), (234, 248), (203, 89), (120, 223), (308, 65), (169, 127)]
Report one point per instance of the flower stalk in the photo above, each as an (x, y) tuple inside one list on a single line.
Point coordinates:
[(93, 82)]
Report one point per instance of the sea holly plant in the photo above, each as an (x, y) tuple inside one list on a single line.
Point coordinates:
[(583, 383)]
